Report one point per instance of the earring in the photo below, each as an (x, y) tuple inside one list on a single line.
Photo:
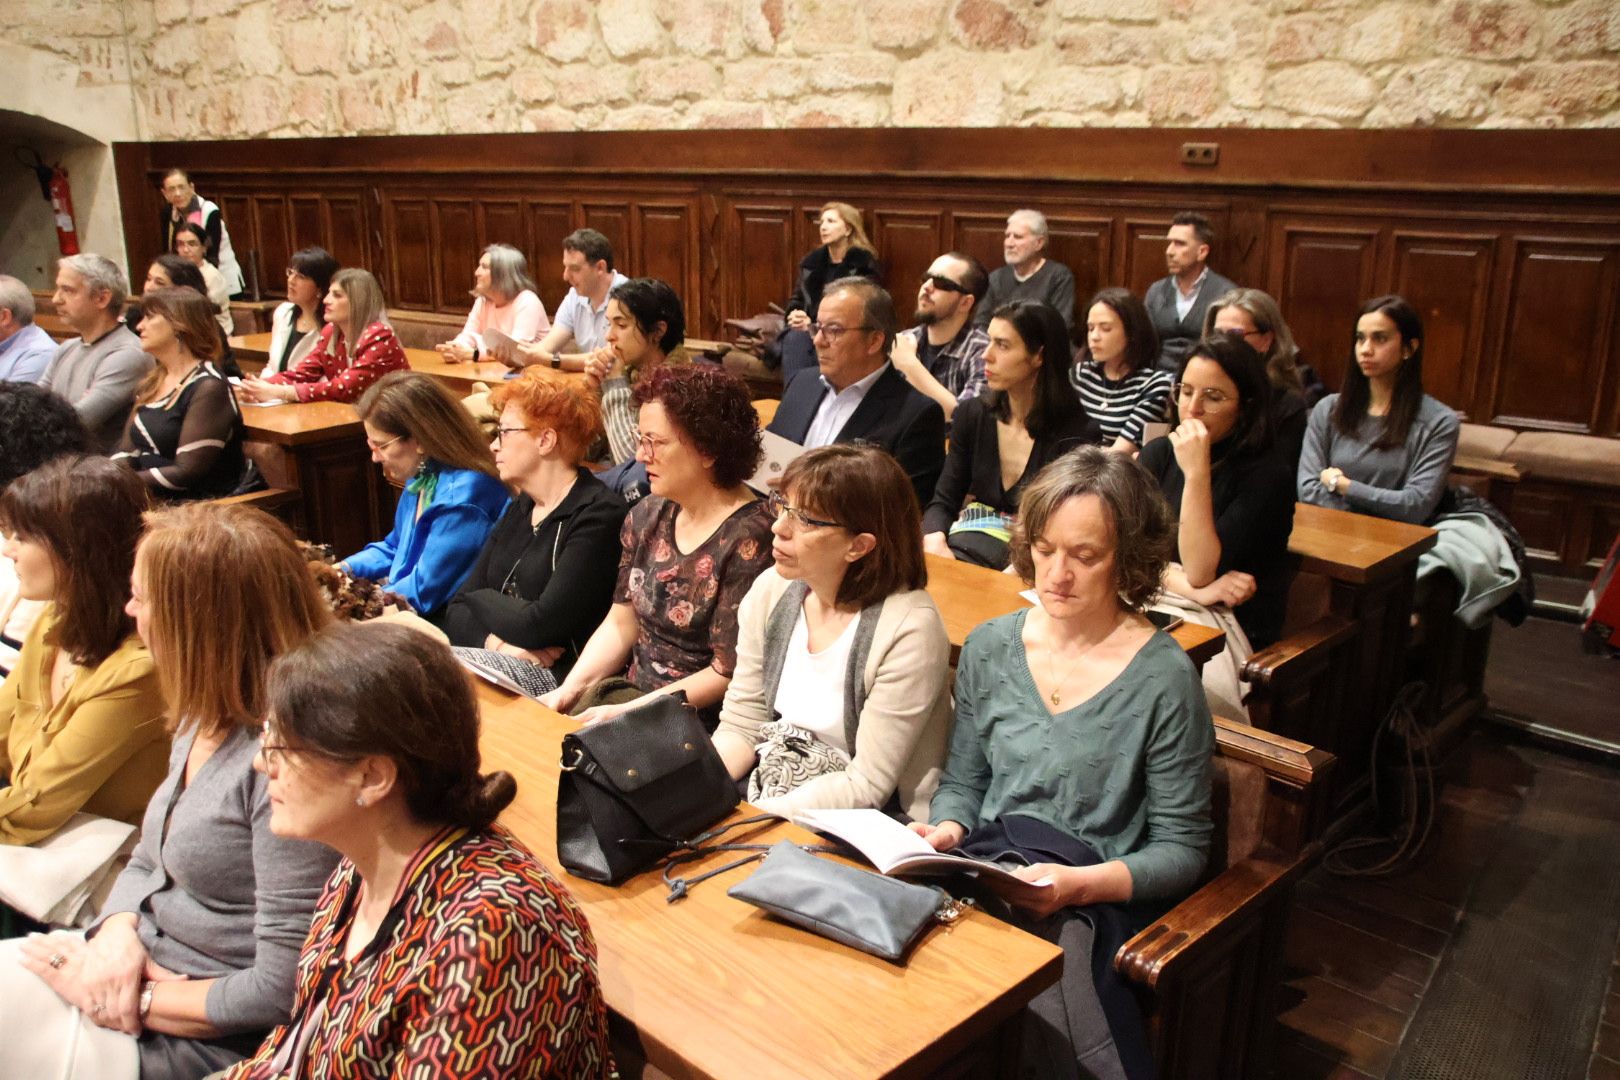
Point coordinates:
[(359, 800)]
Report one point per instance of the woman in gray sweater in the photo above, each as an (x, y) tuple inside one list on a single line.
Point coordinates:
[(195, 956)]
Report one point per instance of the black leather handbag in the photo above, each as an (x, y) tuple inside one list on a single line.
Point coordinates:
[(636, 787)]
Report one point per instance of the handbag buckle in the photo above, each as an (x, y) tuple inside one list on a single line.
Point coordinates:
[(952, 909), (579, 758)]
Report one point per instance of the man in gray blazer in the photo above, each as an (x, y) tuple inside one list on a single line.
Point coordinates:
[(1177, 303)]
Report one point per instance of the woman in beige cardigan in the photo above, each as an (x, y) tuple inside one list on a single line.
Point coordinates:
[(840, 696)]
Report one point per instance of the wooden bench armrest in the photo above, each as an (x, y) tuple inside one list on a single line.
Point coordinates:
[(1272, 663), (1205, 920), (1491, 467), (1297, 762), (267, 499)]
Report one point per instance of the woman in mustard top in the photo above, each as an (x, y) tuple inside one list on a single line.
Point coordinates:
[(81, 716)]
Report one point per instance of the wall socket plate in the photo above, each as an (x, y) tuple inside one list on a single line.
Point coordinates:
[(1202, 154)]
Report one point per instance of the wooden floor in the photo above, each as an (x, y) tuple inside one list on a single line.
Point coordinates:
[(1362, 951)]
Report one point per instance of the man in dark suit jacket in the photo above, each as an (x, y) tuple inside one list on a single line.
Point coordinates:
[(1187, 256), (855, 394)]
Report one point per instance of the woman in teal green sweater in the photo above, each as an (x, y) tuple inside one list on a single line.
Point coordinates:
[(1082, 751)]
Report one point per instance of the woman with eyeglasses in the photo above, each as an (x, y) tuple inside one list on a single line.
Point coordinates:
[(504, 299), (171, 271), (1115, 374), (1233, 495), (544, 580), (430, 445), (841, 694), (296, 325), (356, 348), (195, 956), (845, 252), (1381, 446), (646, 325), (440, 945), (690, 551), (1003, 438), (1254, 317)]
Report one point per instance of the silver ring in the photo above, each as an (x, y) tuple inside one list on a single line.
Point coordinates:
[(98, 1010), (57, 960)]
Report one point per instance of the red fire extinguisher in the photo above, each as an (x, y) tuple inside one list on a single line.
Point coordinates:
[(53, 184)]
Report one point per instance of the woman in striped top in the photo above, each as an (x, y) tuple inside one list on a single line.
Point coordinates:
[(1115, 375)]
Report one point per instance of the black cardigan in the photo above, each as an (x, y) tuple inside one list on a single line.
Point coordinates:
[(973, 466), (1253, 499), (817, 271), (581, 538)]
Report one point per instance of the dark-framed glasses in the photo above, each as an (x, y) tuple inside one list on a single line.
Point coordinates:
[(777, 504), (941, 283), (833, 331)]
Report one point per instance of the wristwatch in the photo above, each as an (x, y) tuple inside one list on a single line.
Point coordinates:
[(556, 361)]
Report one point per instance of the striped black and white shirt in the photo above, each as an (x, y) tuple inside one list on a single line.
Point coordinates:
[(1124, 407)]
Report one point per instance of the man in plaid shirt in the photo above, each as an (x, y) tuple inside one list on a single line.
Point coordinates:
[(943, 355)]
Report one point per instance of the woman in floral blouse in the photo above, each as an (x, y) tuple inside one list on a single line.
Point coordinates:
[(692, 548), (440, 945), (356, 348)]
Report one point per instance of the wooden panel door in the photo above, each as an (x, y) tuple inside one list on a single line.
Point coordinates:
[(408, 228), (1142, 254), (665, 238), (908, 242), (500, 221), (344, 236), (455, 244), (1085, 246), (307, 230), (980, 235), (548, 223), (759, 264), (1557, 367), (1447, 278), (264, 265), (612, 220), (1320, 278)]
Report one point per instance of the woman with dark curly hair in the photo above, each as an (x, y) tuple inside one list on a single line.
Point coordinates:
[(691, 549), (1082, 749)]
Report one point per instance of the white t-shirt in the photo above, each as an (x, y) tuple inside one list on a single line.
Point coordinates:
[(810, 694)]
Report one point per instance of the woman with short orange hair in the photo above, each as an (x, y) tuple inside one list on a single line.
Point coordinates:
[(545, 577)]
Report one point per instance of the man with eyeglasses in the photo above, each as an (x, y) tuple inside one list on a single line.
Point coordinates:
[(855, 394), (943, 355), (1029, 274)]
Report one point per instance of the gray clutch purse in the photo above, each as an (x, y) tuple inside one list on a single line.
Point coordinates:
[(875, 914)]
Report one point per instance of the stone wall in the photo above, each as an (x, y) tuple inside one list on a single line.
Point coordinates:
[(222, 68)]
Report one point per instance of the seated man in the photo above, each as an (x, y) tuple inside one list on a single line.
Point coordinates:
[(1029, 274), (856, 394), (580, 326), (1178, 303), (25, 349), (943, 356), (184, 204), (98, 371)]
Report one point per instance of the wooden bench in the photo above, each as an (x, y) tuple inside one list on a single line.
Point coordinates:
[(1207, 973), (284, 503)]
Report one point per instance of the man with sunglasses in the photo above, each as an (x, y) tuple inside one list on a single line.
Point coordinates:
[(943, 355)]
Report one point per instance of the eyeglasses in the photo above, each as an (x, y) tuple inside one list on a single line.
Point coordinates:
[(653, 445), (941, 283), (275, 754), (502, 432), (777, 504), (379, 447), (293, 275), (1243, 335), (832, 331), (1213, 399)]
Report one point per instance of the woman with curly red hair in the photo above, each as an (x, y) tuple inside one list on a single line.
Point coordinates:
[(691, 549)]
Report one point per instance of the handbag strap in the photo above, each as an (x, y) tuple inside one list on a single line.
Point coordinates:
[(695, 849)]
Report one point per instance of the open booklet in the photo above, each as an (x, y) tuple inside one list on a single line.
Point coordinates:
[(896, 851), (507, 672), (496, 339), (779, 453)]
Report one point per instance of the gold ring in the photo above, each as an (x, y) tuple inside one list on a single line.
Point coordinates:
[(56, 960)]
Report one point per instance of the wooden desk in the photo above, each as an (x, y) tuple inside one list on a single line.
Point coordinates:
[(253, 351), (1355, 548), (715, 988), (320, 449), (967, 595)]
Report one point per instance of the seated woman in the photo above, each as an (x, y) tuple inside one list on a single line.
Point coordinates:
[(1382, 446), (82, 724), (184, 437), (454, 941), (428, 443), (503, 299), (335, 370), (195, 957), (36, 426), (295, 327), (843, 663), (191, 244), (1115, 375), (844, 252), (544, 580), (1003, 438), (690, 552), (171, 271), (1082, 746), (1254, 317), (645, 325)]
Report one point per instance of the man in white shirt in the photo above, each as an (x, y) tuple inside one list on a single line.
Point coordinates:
[(25, 349), (579, 326)]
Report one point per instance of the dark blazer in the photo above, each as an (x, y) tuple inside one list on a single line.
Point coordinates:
[(1178, 336), (909, 425), (817, 271)]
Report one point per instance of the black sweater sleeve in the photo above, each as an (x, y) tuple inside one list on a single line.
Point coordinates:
[(956, 480)]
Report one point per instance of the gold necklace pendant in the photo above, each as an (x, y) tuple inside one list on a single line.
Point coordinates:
[(1055, 697)]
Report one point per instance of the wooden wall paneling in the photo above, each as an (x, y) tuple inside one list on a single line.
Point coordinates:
[(407, 230), (1085, 246), (343, 231), (549, 222), (612, 220), (907, 242), (1605, 518), (665, 235), (500, 221), (1142, 245), (1447, 278), (265, 265), (760, 259), (1320, 274), (1557, 359), (455, 253), (979, 235), (307, 217)]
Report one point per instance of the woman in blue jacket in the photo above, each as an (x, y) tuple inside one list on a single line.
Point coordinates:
[(425, 440)]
